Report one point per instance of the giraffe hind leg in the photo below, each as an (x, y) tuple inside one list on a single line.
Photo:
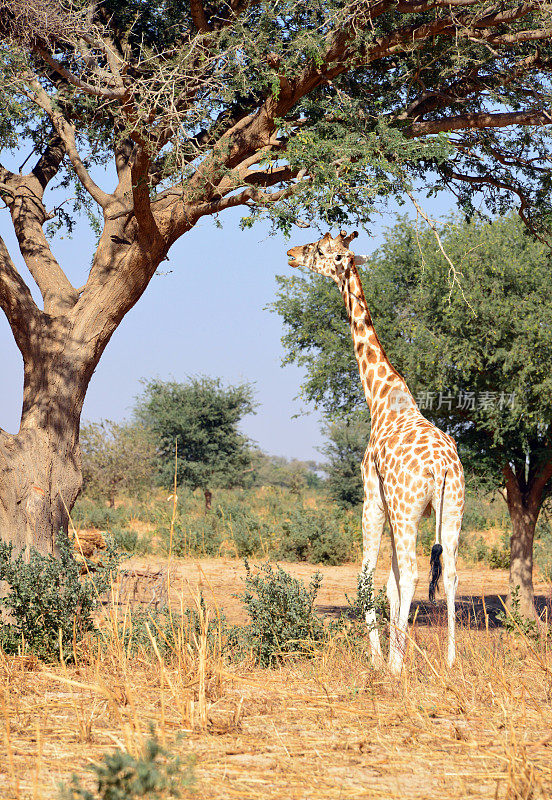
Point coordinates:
[(450, 533), (405, 534)]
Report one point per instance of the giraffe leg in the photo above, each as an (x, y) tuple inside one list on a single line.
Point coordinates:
[(393, 595), (373, 520), (450, 533), (408, 578)]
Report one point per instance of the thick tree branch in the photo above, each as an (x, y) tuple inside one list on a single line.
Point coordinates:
[(480, 121), (28, 216), (16, 301), (198, 16), (538, 486), (139, 171)]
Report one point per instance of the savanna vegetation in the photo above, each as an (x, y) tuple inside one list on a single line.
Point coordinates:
[(146, 117)]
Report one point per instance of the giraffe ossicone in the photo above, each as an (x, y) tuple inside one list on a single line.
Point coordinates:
[(410, 466)]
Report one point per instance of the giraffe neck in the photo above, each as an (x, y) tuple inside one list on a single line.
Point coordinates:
[(385, 390)]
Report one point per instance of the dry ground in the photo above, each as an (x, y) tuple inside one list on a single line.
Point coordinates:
[(326, 728)]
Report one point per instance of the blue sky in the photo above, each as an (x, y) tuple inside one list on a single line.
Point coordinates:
[(205, 315)]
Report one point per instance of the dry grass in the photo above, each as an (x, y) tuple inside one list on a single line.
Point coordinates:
[(330, 727)]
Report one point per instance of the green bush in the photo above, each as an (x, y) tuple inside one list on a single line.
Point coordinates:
[(121, 776), (543, 549), (233, 523), (313, 536), (499, 557), (354, 621), (281, 612), (513, 621), (48, 597), (88, 513), (129, 541)]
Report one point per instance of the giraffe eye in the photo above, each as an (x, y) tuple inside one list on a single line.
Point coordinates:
[(338, 257), (319, 252)]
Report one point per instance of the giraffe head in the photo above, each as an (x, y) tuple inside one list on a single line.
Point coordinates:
[(327, 256)]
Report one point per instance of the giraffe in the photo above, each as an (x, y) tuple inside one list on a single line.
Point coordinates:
[(409, 467)]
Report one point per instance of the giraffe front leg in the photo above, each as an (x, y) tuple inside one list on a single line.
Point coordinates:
[(373, 520)]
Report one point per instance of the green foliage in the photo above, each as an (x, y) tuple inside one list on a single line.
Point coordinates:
[(90, 513), (513, 620), (543, 547), (314, 536), (291, 474), (121, 776), (365, 600), (479, 335), (244, 527), (116, 458), (129, 541), (203, 417), (281, 612), (344, 451), (231, 525), (499, 554), (49, 599)]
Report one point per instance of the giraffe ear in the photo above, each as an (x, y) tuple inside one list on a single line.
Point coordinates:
[(359, 260)]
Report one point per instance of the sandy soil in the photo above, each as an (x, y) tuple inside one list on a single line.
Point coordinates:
[(220, 580)]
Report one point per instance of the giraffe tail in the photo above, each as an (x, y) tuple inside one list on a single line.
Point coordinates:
[(435, 567)]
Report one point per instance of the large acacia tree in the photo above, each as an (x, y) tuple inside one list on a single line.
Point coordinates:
[(293, 109)]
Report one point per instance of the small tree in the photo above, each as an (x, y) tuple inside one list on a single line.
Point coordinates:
[(117, 457), (344, 451), (202, 417), (476, 352)]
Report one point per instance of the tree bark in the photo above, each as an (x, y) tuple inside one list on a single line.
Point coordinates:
[(524, 521), (524, 502), (40, 466)]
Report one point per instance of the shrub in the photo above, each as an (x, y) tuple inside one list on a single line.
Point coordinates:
[(313, 536), (281, 612), (121, 776), (233, 524), (47, 598), (88, 513), (365, 600), (129, 541), (543, 549), (514, 622)]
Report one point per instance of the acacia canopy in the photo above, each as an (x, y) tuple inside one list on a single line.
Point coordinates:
[(295, 110)]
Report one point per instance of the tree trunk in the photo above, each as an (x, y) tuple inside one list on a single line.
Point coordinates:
[(524, 504), (40, 479), (521, 557), (208, 499), (40, 467)]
